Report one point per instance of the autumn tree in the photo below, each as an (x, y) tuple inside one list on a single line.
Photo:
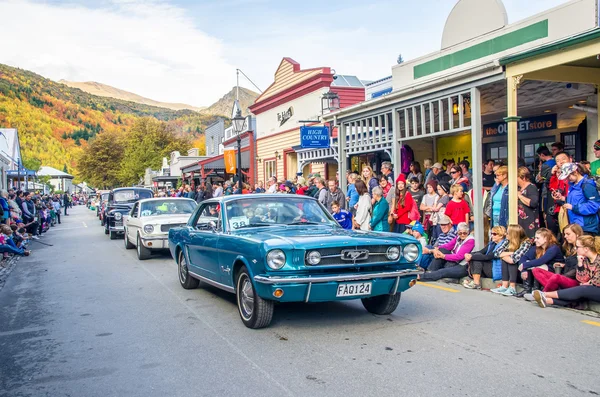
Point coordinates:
[(145, 146), (100, 163)]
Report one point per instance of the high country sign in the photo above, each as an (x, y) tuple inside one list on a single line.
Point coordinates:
[(531, 124), (284, 116)]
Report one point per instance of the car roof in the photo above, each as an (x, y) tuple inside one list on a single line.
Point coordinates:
[(274, 196), (164, 198), (130, 188)]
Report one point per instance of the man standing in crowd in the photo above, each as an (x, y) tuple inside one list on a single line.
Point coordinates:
[(321, 191), (259, 188), (556, 148), (334, 195), (387, 169), (439, 175), (543, 179), (66, 202), (218, 192), (272, 185), (464, 167), (488, 175)]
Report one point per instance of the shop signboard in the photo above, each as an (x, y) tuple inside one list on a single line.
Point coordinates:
[(456, 148), (314, 137), (529, 124)]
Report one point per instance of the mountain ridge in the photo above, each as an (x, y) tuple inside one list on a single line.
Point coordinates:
[(105, 90)]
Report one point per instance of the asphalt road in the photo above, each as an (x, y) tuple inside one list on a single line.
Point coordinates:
[(85, 318)]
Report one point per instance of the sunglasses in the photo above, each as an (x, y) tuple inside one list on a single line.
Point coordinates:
[(494, 234), (454, 172), (462, 233)]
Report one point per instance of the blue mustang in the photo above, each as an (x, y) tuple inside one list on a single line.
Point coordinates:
[(287, 248)]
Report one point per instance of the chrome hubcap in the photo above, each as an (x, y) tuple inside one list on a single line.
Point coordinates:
[(183, 271), (246, 297)]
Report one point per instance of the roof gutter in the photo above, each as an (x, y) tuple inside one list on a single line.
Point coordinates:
[(394, 95)]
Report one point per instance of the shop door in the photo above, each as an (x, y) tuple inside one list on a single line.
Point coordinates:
[(529, 149)]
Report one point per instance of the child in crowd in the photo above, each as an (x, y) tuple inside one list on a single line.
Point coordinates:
[(7, 245), (458, 209), (416, 191), (343, 217)]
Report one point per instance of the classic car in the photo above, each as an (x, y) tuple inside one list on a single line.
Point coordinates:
[(148, 223), (287, 248), (120, 201)]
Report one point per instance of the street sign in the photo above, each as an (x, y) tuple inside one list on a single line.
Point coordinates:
[(314, 137)]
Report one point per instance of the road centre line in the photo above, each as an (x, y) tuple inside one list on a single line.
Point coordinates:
[(437, 287), (84, 225), (595, 323)]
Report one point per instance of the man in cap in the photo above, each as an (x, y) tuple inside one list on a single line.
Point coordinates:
[(445, 234), (439, 175)]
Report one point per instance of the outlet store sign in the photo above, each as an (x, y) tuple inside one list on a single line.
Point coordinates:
[(530, 124)]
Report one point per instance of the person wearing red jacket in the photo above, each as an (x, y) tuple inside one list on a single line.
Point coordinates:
[(556, 185), (402, 204)]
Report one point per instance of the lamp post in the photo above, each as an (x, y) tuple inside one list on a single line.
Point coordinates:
[(238, 126)]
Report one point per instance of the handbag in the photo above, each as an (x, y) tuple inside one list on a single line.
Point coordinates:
[(414, 214), (563, 218)]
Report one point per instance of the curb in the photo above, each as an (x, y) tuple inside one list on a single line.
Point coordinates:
[(6, 267)]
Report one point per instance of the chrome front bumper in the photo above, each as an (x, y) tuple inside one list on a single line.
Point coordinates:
[(158, 242), (338, 278), (116, 229)]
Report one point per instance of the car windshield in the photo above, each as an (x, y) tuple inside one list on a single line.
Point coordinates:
[(128, 196), (104, 196), (267, 211), (167, 207)]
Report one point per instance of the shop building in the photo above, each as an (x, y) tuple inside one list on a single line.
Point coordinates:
[(295, 100), (452, 104)]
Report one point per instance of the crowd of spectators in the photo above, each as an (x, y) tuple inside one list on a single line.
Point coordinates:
[(558, 204), (27, 216)]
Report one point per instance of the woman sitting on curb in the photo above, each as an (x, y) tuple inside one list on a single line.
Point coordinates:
[(518, 245), (487, 261), (449, 259), (543, 255), (588, 274)]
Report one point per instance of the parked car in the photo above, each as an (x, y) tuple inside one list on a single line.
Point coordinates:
[(148, 223), (120, 201), (287, 248)]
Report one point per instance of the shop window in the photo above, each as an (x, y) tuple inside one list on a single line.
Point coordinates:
[(270, 169)]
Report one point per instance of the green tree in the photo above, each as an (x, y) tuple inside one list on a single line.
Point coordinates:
[(146, 144), (100, 164), (32, 163)]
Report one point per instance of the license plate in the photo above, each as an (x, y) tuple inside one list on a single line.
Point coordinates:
[(354, 289)]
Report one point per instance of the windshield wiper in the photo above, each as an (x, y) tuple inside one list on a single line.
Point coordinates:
[(256, 225), (305, 223)]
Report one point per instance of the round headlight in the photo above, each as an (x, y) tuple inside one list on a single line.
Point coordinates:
[(148, 228), (411, 252), (313, 258), (276, 259), (393, 253), (118, 216)]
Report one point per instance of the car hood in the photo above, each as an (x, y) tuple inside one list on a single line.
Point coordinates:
[(303, 237), (165, 219)]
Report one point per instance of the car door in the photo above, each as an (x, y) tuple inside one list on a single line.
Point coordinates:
[(203, 239), (133, 223)]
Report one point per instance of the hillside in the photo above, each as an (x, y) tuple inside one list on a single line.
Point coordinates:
[(224, 105), (104, 90), (55, 121)]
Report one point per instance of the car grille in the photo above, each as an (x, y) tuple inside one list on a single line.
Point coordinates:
[(165, 228), (363, 254), (118, 223)]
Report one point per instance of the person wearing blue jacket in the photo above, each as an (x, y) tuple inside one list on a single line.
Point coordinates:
[(381, 210), (543, 254), (582, 202), (352, 195)]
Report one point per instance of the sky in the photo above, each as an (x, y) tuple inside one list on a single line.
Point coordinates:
[(188, 50)]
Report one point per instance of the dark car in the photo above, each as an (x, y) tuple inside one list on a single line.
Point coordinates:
[(120, 201), (100, 209)]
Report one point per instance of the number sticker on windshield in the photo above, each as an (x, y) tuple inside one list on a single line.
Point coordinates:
[(238, 221)]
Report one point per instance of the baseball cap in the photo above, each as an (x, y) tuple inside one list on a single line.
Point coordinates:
[(418, 227), (444, 220), (566, 170), (597, 145), (437, 165)]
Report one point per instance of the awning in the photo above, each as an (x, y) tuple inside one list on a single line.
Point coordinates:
[(218, 163)]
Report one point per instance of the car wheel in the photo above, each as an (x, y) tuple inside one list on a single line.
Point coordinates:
[(102, 222), (143, 253), (106, 231), (128, 244), (255, 311), (113, 235), (185, 279), (382, 304)]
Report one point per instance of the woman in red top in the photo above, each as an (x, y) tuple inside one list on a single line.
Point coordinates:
[(403, 203), (457, 209)]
